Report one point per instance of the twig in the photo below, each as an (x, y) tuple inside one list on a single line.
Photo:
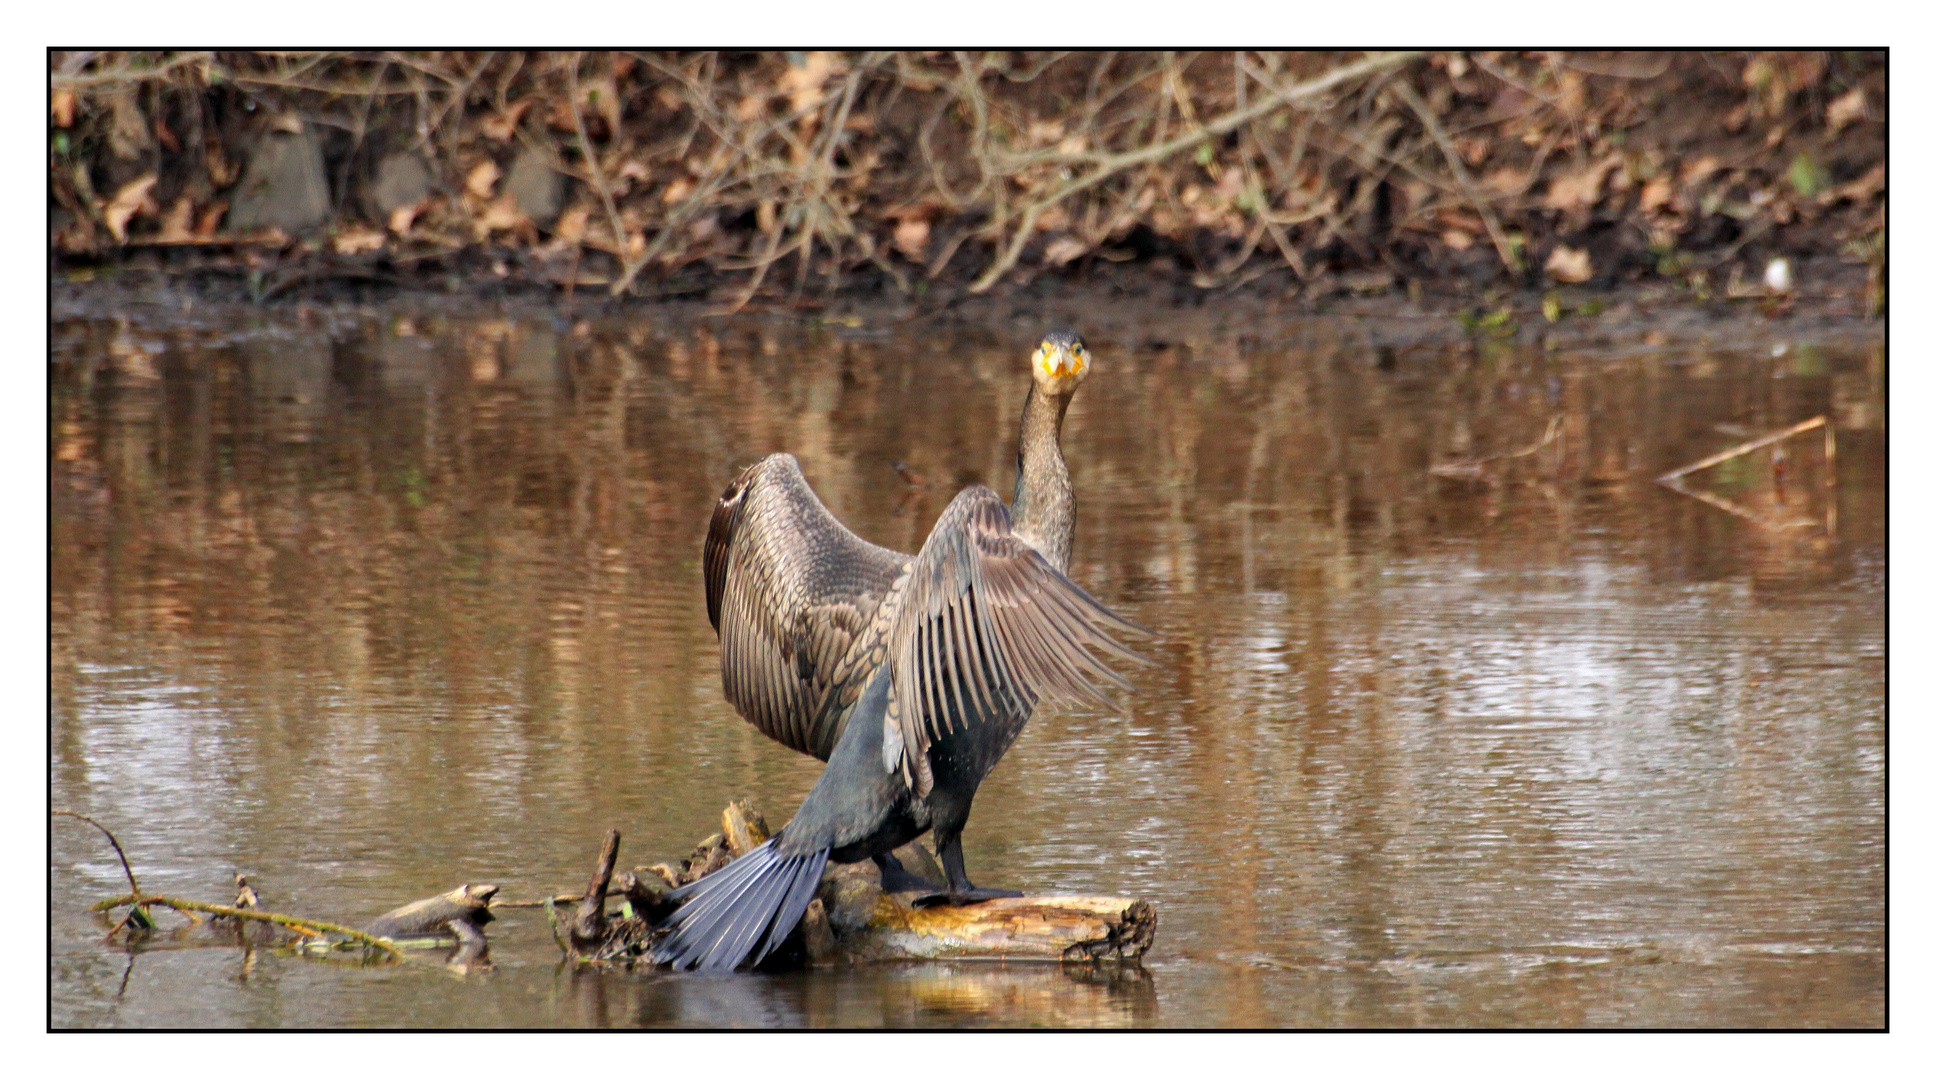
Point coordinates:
[(310, 927), (122, 855), (1403, 88), (1743, 448), (631, 269), (127, 74)]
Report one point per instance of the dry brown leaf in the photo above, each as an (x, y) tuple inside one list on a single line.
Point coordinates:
[(210, 219), (1572, 99), (166, 137), (571, 224), (482, 179), (402, 217), (177, 225), (1693, 172), (677, 191), (1064, 249), (911, 237), (501, 126), (1658, 192), (62, 107), (803, 85), (1843, 111), (1571, 265), (127, 201), (357, 239), (1231, 184), (1860, 189), (1580, 189), (1456, 239), (221, 171), (502, 212), (1505, 180)]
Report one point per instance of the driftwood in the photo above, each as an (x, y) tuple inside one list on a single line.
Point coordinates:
[(460, 911), (851, 921)]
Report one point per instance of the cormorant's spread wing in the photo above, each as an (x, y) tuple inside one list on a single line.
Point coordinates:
[(983, 629), (788, 589)]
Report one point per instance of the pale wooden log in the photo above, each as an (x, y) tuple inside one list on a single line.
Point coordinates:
[(1016, 928)]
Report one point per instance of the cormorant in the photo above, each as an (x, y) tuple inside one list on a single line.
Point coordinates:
[(909, 675)]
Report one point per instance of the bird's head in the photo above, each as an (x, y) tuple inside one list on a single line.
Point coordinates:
[(1060, 362)]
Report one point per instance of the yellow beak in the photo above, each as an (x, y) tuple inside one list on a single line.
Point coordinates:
[(1057, 362)]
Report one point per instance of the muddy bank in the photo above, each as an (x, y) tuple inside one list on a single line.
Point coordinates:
[(1827, 306)]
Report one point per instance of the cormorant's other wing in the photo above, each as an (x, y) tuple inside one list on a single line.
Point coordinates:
[(788, 589)]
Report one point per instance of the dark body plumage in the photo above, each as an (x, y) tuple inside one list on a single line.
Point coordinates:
[(909, 675)]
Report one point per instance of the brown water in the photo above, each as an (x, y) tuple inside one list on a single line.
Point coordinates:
[(367, 604)]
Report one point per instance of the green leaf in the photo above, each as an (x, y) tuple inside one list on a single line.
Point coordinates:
[(1205, 154), (1807, 176)]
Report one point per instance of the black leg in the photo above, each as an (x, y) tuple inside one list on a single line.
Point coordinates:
[(897, 878), (960, 890)]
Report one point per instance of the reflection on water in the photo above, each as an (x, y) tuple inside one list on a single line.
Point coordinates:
[(1455, 723)]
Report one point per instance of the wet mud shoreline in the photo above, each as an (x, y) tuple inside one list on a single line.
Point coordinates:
[(1143, 310)]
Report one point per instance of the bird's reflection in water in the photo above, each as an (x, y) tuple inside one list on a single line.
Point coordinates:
[(967, 994)]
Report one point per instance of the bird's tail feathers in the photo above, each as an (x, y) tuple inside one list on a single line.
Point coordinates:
[(745, 909)]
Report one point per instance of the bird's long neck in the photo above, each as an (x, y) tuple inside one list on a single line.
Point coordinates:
[(1044, 509)]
